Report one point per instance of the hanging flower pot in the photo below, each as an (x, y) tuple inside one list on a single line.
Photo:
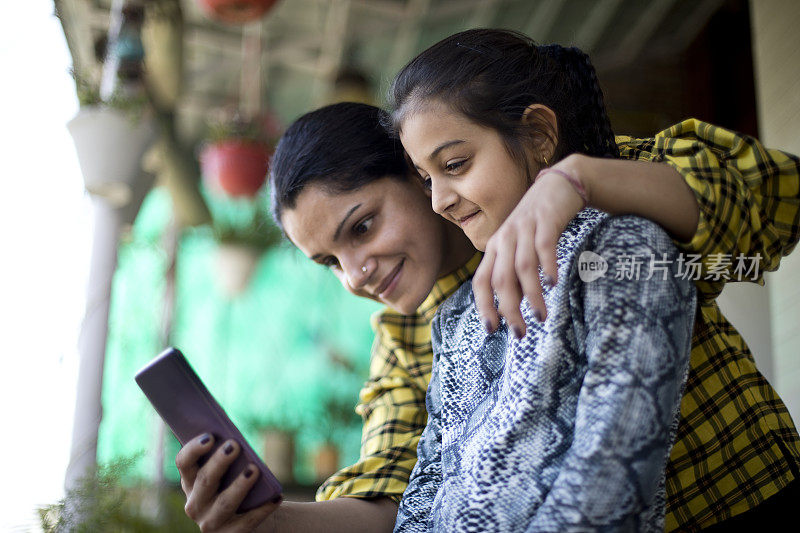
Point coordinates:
[(110, 145), (235, 266), (278, 452), (236, 11), (237, 167), (326, 461), (240, 249)]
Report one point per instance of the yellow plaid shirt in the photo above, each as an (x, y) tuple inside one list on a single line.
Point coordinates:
[(736, 443)]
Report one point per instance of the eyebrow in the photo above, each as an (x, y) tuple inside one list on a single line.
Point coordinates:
[(338, 229), (444, 145)]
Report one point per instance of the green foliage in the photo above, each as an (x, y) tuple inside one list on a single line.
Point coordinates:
[(260, 234), (89, 95), (238, 128), (243, 221), (103, 501)]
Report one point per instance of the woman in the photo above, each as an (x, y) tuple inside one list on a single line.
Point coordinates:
[(392, 404)]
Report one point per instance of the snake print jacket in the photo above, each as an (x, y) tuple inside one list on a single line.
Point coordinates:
[(569, 428)]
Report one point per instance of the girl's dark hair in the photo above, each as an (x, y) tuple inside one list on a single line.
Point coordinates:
[(341, 147), (491, 76)]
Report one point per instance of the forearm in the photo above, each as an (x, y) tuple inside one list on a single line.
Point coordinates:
[(340, 515), (654, 191)]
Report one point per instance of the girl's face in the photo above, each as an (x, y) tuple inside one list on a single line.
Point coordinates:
[(382, 241), (474, 181)]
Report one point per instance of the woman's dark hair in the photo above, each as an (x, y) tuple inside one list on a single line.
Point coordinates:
[(492, 76), (341, 147)]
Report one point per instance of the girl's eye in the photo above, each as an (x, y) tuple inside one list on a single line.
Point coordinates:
[(454, 166), (426, 182), (362, 227)]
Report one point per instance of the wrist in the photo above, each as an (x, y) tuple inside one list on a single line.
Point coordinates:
[(272, 524), (565, 172), (578, 167)]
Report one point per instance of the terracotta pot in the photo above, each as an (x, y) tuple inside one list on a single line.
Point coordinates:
[(278, 453), (326, 461), (236, 11), (237, 167)]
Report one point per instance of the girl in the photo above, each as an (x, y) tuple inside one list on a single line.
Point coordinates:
[(480, 114), (569, 427), (341, 147)]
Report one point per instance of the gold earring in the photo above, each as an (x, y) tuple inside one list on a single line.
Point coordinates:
[(545, 162)]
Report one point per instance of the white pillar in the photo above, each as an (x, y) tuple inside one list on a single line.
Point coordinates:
[(92, 343)]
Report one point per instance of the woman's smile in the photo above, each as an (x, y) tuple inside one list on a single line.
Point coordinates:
[(390, 282), (463, 221), (381, 240)]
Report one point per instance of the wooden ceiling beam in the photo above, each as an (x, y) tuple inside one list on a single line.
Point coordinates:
[(334, 42), (542, 19), (408, 33), (484, 14), (693, 24), (639, 34), (441, 11), (589, 33), (384, 8)]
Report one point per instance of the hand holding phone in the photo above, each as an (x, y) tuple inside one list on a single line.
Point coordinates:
[(189, 409)]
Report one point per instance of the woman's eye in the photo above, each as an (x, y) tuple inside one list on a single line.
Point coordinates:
[(454, 165), (362, 227), (330, 262), (426, 182)]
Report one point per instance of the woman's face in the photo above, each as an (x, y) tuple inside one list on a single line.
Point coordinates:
[(474, 181), (382, 241)]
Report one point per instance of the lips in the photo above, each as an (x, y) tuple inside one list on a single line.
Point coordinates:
[(464, 220), (390, 281)]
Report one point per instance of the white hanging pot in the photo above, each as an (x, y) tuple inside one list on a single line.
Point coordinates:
[(110, 146), (235, 266)]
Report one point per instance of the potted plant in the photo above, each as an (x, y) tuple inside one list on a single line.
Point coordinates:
[(110, 139), (236, 156), (239, 250), (236, 11), (338, 411), (278, 452), (110, 499)]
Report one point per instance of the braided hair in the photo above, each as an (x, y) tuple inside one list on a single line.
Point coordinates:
[(491, 77)]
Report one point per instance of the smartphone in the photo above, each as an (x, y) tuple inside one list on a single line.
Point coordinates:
[(189, 409)]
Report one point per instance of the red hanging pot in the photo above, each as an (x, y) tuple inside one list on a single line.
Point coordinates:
[(236, 166), (236, 11)]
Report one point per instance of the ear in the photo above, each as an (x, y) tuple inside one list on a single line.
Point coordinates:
[(544, 125)]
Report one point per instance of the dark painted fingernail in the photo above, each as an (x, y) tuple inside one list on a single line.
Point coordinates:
[(205, 439), (249, 472), (547, 279), (517, 332), (228, 449), (537, 315)]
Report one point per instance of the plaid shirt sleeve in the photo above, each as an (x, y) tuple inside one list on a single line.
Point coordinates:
[(749, 198), (392, 402), (736, 444)]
